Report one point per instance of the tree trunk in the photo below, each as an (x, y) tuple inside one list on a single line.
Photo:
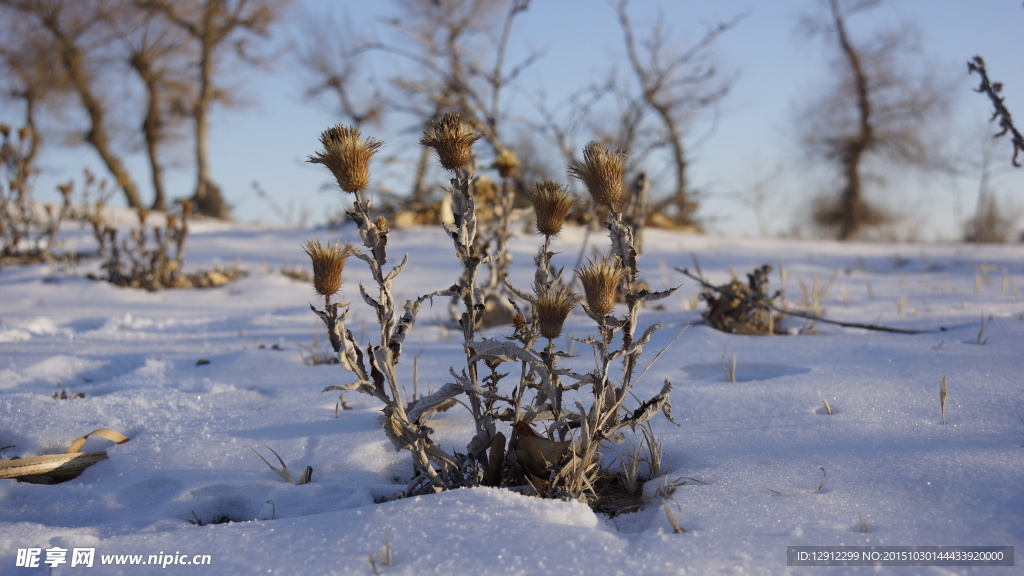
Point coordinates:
[(152, 128), (208, 199), (71, 58), (855, 211)]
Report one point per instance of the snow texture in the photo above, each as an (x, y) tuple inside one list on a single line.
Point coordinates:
[(748, 451)]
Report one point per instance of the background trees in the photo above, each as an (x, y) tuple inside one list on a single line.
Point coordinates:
[(876, 113), (443, 55), (674, 84), (217, 29), (57, 45), (541, 79), (53, 49)]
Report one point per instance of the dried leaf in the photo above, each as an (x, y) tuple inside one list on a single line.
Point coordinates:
[(427, 403)]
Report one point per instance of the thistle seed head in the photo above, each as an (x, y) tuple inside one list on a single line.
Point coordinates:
[(328, 264), (381, 224), (452, 140), (486, 190), (518, 321), (507, 162), (552, 305), (347, 155), (552, 204), (601, 172), (600, 280)]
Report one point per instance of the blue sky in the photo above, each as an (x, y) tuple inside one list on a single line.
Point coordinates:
[(267, 140)]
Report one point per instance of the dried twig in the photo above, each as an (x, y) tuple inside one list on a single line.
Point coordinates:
[(731, 294), (1000, 113)]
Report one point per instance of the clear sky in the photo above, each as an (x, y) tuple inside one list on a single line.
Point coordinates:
[(268, 140)]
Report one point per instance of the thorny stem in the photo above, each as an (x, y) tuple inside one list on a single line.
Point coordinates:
[(622, 249), (380, 380), (545, 273), (550, 358), (464, 237)]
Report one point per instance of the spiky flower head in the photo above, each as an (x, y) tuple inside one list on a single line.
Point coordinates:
[(552, 306), (601, 172), (486, 190), (600, 280), (452, 140), (551, 204), (507, 162), (328, 264), (66, 189), (347, 155), (382, 224)]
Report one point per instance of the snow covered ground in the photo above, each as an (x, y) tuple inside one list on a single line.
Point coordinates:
[(754, 445)]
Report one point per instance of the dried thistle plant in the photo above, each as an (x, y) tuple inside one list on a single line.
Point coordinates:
[(564, 457), (452, 140), (552, 305), (25, 234), (506, 163), (551, 205), (347, 155), (152, 257), (600, 282), (328, 265), (601, 170)]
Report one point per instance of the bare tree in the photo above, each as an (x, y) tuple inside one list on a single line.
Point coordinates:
[(217, 28), (674, 86), (446, 55), (73, 33), (29, 79), (877, 112)]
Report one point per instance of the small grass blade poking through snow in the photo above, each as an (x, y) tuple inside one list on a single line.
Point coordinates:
[(824, 475), (730, 368), (828, 409), (673, 515), (284, 473), (385, 555), (942, 398)]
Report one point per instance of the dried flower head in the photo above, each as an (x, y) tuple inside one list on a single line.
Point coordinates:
[(552, 204), (486, 190), (347, 155), (381, 224), (552, 306), (601, 171), (66, 189), (519, 321), (600, 280), (328, 264), (506, 163), (452, 140)]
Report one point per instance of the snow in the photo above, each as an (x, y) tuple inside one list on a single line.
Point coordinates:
[(748, 451)]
